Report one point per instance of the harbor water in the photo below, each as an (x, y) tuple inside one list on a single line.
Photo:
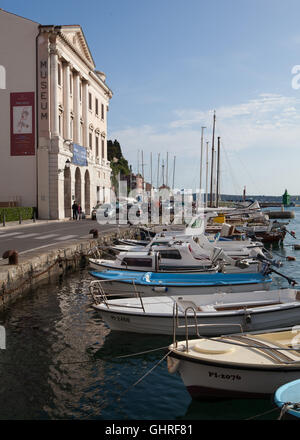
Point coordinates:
[(62, 362)]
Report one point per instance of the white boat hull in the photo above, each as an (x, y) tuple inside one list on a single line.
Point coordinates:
[(210, 324), (118, 288), (101, 265), (211, 380)]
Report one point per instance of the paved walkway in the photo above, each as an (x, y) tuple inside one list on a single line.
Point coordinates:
[(30, 236)]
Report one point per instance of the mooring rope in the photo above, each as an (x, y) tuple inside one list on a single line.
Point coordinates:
[(140, 379), (143, 352), (262, 414), (83, 361)]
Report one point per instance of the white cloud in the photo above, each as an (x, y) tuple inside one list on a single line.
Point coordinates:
[(270, 121)]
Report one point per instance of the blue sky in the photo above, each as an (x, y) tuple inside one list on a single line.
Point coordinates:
[(171, 63)]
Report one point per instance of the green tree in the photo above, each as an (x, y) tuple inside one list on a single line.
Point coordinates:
[(118, 163)]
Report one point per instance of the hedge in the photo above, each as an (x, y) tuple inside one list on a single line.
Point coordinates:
[(12, 214)]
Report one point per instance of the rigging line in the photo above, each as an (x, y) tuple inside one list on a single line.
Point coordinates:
[(236, 186), (247, 171)]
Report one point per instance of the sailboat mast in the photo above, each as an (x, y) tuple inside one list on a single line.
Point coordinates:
[(158, 166), (218, 175), (167, 170), (151, 169), (206, 183), (201, 158), (143, 180), (174, 172), (212, 162)]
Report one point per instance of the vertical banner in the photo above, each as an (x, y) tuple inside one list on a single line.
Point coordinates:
[(22, 126)]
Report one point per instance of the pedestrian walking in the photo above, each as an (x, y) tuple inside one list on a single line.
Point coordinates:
[(79, 212), (75, 210)]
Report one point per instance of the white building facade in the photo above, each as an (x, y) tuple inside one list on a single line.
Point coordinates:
[(56, 138)]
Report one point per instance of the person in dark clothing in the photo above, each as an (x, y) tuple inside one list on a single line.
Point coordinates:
[(75, 210), (79, 212)]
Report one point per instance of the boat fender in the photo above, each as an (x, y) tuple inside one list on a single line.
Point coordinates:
[(172, 364), (160, 289), (289, 258), (248, 318)]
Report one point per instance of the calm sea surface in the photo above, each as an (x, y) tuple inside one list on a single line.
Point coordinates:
[(62, 362)]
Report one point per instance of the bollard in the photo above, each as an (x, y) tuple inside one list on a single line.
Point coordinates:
[(20, 218), (94, 232), (34, 216), (3, 219), (12, 255)]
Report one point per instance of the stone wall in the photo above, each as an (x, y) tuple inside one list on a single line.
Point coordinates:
[(45, 267)]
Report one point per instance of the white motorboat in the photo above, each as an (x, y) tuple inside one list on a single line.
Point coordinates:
[(179, 256), (215, 314), (199, 244), (245, 365)]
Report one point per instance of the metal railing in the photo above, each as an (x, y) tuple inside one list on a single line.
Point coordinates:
[(102, 296), (196, 325)]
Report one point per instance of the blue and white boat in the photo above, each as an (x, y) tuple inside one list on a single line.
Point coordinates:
[(155, 284), (287, 398)]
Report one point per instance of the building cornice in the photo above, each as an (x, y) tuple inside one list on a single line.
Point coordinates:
[(57, 31)]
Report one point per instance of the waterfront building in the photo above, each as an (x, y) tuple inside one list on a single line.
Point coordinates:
[(53, 119)]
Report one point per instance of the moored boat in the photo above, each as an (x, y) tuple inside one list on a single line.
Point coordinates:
[(158, 284), (215, 314), (247, 365), (287, 398)]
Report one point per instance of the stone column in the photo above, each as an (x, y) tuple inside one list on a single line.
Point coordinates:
[(67, 100), (85, 113), (77, 108)]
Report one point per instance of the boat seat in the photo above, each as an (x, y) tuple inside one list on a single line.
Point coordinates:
[(207, 308), (184, 304), (275, 355), (248, 304), (213, 347)]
